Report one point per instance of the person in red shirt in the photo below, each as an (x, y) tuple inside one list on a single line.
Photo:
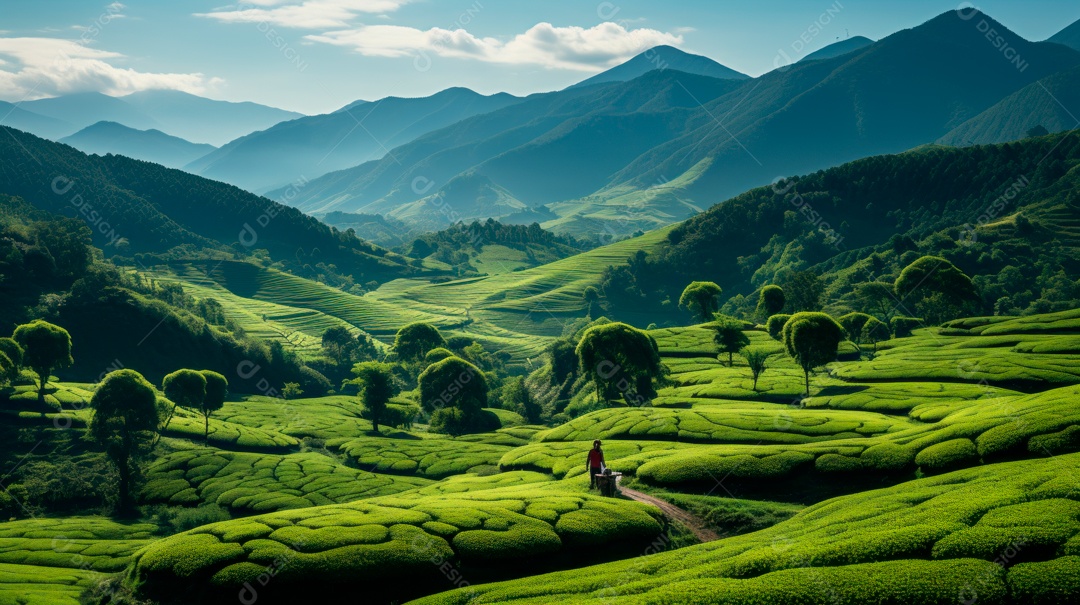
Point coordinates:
[(595, 462)]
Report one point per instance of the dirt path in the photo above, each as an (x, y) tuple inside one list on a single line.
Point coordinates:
[(693, 523)]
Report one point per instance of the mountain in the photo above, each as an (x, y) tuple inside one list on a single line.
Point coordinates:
[(203, 120), (86, 108), (1070, 36), (500, 163), (176, 113), (663, 57), (662, 147), (150, 145), (137, 208), (314, 145), (843, 47), (1052, 102), (14, 116)]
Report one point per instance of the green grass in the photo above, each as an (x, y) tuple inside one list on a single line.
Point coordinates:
[(384, 542), (256, 483), (887, 545)]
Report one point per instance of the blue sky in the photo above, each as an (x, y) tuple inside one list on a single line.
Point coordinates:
[(318, 55)]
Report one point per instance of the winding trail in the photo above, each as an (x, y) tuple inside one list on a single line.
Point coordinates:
[(692, 522)]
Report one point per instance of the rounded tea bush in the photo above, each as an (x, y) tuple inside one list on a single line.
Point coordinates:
[(947, 455)]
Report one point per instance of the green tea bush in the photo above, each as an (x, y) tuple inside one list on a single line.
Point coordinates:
[(1045, 582), (947, 455)]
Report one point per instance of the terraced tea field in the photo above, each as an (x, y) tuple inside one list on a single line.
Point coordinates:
[(887, 483)]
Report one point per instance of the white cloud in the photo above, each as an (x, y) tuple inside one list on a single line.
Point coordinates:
[(310, 14), (43, 67), (574, 48)]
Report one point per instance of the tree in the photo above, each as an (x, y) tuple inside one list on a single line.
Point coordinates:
[(620, 358), (291, 390), (702, 298), (125, 423), (377, 386), (1037, 131), (439, 354), (729, 336), (217, 388), (184, 388), (875, 331), (770, 302), (877, 297), (775, 325), (811, 340), (936, 288), (803, 290), (415, 340), (591, 296), (853, 324), (11, 359), (45, 347), (516, 397), (454, 392), (756, 358)]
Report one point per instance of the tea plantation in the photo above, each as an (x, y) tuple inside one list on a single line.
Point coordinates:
[(946, 464)]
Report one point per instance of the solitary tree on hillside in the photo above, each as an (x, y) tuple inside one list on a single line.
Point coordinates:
[(1037, 131), (454, 392), (217, 388), (775, 324), (729, 336), (291, 390), (937, 289), (46, 347), (184, 388), (701, 298), (377, 386), (756, 358), (415, 340), (620, 358), (811, 340), (770, 302), (125, 423)]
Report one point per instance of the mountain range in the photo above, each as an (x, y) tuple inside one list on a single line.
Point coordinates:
[(663, 57), (311, 146), (661, 147), (176, 113), (150, 145)]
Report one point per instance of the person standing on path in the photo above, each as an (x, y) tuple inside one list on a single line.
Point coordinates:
[(595, 463)]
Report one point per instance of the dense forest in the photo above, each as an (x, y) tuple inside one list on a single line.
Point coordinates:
[(1004, 214)]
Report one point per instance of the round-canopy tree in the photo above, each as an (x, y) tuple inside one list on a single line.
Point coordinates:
[(729, 336), (454, 392), (770, 302), (620, 359), (437, 354), (775, 324), (875, 331), (124, 424), (415, 340), (217, 388), (701, 298), (591, 296), (377, 386), (184, 388), (811, 339), (46, 347), (937, 289), (853, 324)]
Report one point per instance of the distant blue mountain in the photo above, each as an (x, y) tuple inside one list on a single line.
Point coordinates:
[(664, 58), (150, 145)]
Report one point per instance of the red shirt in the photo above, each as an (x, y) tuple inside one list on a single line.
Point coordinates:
[(596, 458)]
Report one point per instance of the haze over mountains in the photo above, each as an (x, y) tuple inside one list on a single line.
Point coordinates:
[(150, 145), (640, 154), (311, 146), (179, 114)]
